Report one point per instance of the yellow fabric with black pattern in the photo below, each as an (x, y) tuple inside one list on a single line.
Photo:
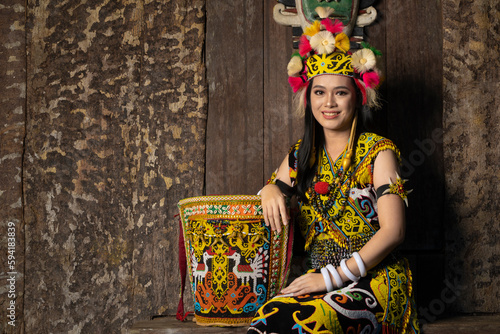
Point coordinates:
[(352, 222), (334, 63)]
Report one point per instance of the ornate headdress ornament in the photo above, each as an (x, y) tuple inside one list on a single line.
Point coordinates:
[(325, 49)]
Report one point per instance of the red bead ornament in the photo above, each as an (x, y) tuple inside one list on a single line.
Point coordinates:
[(321, 188)]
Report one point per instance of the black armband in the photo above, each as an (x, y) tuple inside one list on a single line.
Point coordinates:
[(396, 188)]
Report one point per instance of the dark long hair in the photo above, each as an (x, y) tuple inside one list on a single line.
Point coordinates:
[(313, 140)]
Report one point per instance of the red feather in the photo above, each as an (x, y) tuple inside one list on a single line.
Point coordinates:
[(297, 83), (332, 26), (371, 79), (362, 89), (304, 46)]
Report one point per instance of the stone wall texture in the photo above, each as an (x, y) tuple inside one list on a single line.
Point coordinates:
[(472, 151), (115, 124)]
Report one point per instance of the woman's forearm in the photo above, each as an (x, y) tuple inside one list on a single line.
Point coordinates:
[(375, 250), (390, 235)]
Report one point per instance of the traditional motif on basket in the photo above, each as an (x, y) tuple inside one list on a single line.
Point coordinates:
[(236, 263)]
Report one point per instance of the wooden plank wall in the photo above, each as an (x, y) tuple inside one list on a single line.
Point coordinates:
[(410, 37), (115, 112), (112, 96), (251, 124), (282, 126), (472, 141), (12, 132)]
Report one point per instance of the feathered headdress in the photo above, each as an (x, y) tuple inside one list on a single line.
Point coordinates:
[(325, 49)]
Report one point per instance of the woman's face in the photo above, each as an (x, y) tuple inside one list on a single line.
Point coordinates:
[(333, 102)]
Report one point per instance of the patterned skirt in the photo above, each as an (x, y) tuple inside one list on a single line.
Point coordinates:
[(381, 302)]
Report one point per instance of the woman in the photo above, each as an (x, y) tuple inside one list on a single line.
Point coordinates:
[(351, 200)]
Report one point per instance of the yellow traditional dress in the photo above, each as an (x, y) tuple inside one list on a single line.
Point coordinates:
[(335, 225)]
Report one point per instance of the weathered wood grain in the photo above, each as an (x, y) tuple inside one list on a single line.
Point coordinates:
[(168, 325), (174, 88), (464, 325), (410, 38), (282, 127), (414, 112), (471, 121), (235, 116), (12, 131), (116, 119)]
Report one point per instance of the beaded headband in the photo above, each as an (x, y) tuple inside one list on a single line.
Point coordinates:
[(325, 49)]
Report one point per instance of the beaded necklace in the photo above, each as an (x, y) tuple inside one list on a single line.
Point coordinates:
[(342, 176), (321, 188)]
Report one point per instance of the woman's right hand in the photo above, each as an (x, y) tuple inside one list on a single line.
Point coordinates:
[(274, 207)]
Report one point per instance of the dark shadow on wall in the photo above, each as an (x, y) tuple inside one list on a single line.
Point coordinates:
[(412, 117)]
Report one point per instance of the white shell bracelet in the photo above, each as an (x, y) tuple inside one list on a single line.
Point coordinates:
[(347, 272), (328, 280), (336, 276), (360, 263)]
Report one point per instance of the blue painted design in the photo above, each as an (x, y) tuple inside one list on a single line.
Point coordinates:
[(251, 307), (366, 207), (263, 320), (261, 292), (299, 327)]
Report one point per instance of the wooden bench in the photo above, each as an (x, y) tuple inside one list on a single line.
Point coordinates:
[(457, 325), (168, 325), (464, 324)]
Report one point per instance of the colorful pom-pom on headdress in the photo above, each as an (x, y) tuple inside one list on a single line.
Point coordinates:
[(325, 49)]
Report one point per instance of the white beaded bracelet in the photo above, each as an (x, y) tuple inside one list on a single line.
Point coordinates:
[(336, 276), (347, 272), (328, 280), (360, 263)]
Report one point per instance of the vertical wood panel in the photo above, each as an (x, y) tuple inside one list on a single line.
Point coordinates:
[(282, 127), (81, 171), (376, 36), (235, 112), (12, 130), (116, 119), (472, 151), (171, 121), (414, 110), (410, 37)]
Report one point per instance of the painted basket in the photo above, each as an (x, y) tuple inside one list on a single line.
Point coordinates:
[(235, 262)]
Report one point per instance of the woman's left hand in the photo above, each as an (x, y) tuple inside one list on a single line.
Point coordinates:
[(305, 284)]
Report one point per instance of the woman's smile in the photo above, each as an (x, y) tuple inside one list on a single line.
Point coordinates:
[(331, 114)]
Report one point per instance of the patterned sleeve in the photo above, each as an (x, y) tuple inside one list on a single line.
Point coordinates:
[(292, 165), (369, 146), (292, 162)]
